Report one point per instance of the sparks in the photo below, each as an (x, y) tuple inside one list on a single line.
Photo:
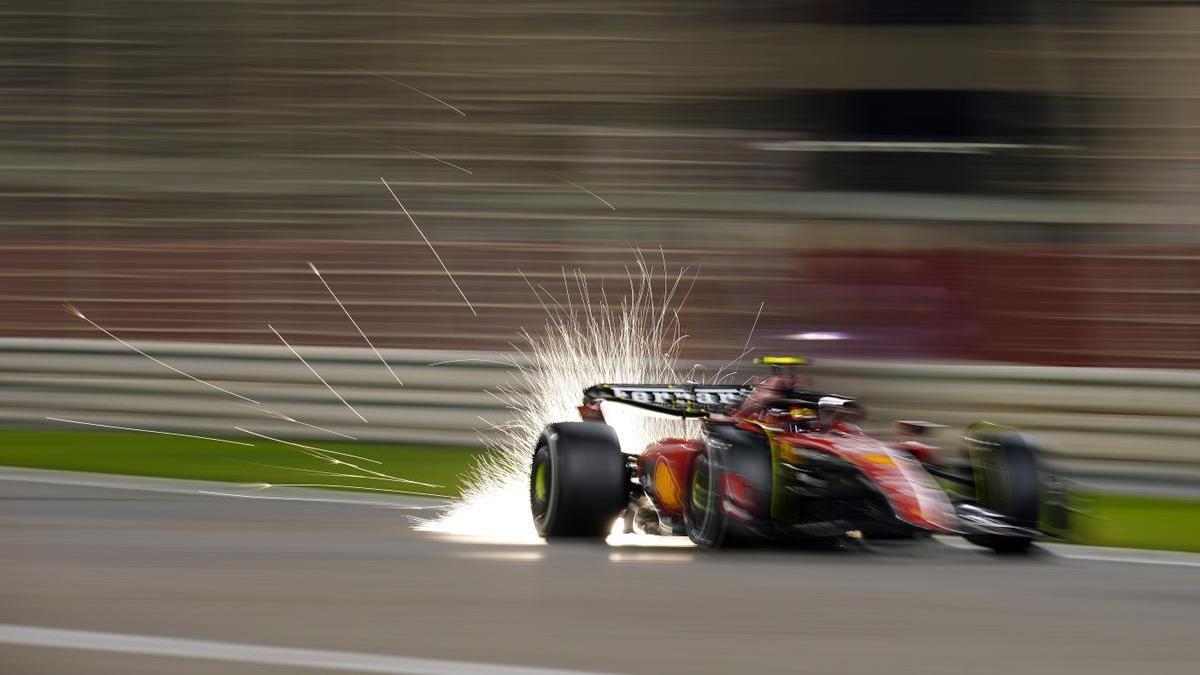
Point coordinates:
[(354, 323), (745, 348), (73, 310), (754, 325), (585, 340), (148, 431), (436, 159), (314, 372), (571, 182), (351, 487), (356, 502), (420, 91), (430, 245), (323, 454), (312, 449), (289, 418)]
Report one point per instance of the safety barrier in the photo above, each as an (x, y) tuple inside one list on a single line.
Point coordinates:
[(1081, 413)]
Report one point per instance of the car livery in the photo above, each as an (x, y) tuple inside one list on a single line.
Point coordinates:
[(778, 461)]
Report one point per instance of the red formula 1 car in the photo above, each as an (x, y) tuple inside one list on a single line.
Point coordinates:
[(778, 461)]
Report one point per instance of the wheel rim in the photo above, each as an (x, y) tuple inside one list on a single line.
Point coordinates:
[(702, 527), (539, 482), (700, 493), (540, 485)]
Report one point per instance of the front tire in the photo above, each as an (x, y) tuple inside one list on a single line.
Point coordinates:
[(577, 482), (1008, 481)]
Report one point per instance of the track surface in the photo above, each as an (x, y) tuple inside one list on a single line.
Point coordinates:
[(355, 578)]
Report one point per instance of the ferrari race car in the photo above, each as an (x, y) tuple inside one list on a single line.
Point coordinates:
[(778, 461)]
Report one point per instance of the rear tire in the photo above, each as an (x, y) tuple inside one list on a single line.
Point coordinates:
[(747, 457), (577, 482), (706, 525), (1007, 481)]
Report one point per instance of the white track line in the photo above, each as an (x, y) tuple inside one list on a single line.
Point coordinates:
[(260, 654), (1100, 554), (1124, 555), (1137, 560), (1133, 556)]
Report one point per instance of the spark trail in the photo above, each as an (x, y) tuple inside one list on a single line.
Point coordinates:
[(421, 92), (430, 245), (73, 310), (437, 159), (147, 431), (573, 183), (312, 451), (585, 340), (354, 323), (323, 454), (250, 403), (288, 418), (318, 375)]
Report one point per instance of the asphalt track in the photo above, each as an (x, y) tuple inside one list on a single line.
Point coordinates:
[(112, 575)]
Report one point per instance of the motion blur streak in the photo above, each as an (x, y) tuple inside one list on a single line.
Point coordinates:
[(635, 339), (147, 431)]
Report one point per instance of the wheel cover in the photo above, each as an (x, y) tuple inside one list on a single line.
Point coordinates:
[(541, 486), (699, 492), (702, 515), (539, 482)]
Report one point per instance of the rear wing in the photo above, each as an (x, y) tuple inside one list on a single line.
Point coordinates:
[(688, 400)]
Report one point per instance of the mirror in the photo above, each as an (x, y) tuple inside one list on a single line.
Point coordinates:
[(834, 409)]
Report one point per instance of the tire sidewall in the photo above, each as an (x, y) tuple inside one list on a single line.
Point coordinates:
[(586, 476), (707, 533), (544, 454)]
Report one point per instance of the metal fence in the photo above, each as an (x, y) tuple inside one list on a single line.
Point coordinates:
[(1132, 415)]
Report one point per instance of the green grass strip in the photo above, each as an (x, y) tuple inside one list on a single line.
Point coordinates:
[(266, 462), (1107, 520), (1138, 522)]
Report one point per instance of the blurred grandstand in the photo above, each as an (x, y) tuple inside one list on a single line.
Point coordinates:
[(996, 180)]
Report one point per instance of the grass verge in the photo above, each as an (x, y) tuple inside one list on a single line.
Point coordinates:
[(266, 462), (1138, 522), (1108, 520)]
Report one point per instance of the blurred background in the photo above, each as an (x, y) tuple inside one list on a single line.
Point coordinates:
[(961, 208), (1002, 180)]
